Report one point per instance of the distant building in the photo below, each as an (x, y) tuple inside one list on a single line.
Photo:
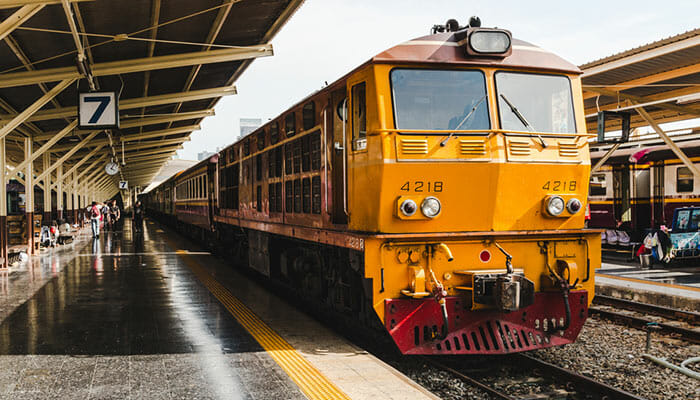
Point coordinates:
[(201, 156), (249, 125)]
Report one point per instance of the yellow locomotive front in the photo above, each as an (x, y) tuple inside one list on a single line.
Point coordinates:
[(468, 165)]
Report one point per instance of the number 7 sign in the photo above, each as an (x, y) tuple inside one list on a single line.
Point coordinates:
[(98, 110)]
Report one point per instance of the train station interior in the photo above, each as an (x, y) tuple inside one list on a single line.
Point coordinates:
[(265, 270)]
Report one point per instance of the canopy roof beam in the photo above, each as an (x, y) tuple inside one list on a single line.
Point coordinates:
[(136, 65), (18, 18), (135, 103), (29, 111), (669, 142)]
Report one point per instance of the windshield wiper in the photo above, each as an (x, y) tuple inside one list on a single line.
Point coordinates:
[(522, 119), (447, 139)]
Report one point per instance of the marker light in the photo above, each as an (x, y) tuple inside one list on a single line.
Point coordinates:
[(555, 205), (408, 207), (573, 206), (491, 41), (431, 207)]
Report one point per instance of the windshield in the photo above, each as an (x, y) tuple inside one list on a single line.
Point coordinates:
[(439, 99), (544, 102)]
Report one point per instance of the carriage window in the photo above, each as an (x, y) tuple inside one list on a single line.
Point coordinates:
[(261, 139), (297, 156), (288, 196), (305, 153), (543, 101), (309, 115), (316, 151), (316, 194), (290, 125), (359, 117), (271, 196), (278, 162), (274, 133), (258, 198), (598, 185), (306, 195), (258, 167), (246, 147), (231, 155), (288, 157), (297, 196), (278, 202), (684, 180), (439, 99)]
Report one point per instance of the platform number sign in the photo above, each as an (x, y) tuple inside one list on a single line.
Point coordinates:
[(98, 110), (123, 185)]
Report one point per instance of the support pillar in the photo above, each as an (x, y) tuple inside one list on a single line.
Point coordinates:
[(29, 194), (46, 218), (3, 208), (59, 191)]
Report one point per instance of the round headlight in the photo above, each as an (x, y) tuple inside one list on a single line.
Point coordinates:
[(574, 205), (555, 205), (431, 207), (408, 207)]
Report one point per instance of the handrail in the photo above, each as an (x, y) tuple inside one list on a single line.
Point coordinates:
[(481, 131)]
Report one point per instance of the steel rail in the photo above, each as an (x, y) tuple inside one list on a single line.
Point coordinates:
[(488, 389), (577, 381), (653, 309), (687, 334)]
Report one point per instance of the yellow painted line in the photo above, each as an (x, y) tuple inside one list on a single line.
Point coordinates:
[(310, 380), (671, 285)]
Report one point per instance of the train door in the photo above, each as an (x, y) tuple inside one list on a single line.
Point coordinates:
[(658, 194), (621, 190), (339, 133), (642, 198), (211, 188)]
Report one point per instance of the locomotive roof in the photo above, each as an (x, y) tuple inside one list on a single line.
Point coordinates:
[(445, 48)]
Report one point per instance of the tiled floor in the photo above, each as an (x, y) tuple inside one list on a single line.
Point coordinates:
[(126, 319)]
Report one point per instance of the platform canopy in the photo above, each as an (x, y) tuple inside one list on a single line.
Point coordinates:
[(657, 83), (168, 61)]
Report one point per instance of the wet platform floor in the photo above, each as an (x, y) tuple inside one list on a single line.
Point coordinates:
[(127, 319)]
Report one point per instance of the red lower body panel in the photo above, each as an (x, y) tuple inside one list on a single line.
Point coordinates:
[(413, 323)]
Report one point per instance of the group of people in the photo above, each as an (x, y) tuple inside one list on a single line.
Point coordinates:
[(107, 214), (58, 233)]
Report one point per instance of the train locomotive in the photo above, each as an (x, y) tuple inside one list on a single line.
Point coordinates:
[(436, 192)]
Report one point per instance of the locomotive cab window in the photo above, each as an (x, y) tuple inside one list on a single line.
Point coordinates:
[(359, 117), (535, 102), (439, 99), (684, 180)]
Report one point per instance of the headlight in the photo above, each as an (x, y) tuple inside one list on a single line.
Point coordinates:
[(430, 207), (555, 205), (408, 207), (574, 205), (490, 41)]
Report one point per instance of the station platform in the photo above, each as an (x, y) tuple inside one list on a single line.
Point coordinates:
[(665, 285), (150, 315)]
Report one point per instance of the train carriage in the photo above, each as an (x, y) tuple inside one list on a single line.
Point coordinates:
[(437, 191)]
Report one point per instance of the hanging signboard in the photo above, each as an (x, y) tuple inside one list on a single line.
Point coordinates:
[(98, 110), (123, 185)]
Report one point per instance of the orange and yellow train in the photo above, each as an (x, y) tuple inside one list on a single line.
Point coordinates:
[(437, 190)]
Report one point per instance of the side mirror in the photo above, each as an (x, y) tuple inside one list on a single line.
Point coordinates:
[(606, 116)]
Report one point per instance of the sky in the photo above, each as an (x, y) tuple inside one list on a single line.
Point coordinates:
[(325, 39)]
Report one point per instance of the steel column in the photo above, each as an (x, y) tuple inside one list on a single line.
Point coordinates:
[(29, 194), (47, 189), (3, 208)]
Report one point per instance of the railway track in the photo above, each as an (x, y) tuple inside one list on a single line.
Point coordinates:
[(643, 322), (554, 382)]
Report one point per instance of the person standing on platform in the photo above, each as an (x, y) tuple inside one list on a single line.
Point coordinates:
[(138, 216), (114, 215), (95, 217)]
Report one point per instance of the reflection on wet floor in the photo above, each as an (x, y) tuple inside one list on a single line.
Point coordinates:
[(663, 273), (132, 297)]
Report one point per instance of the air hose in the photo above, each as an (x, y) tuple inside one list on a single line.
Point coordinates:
[(682, 369)]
